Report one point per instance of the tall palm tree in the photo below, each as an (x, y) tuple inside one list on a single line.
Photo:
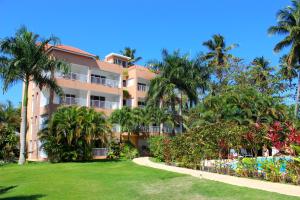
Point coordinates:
[(288, 72), (261, 73), (218, 55), (129, 52), (288, 24), (25, 59), (169, 87)]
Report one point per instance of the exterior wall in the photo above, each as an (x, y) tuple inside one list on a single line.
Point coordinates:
[(42, 103)]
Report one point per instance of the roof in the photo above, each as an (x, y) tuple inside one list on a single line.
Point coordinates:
[(139, 67), (118, 55), (71, 49)]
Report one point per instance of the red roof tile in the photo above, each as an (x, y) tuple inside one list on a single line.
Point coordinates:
[(72, 49)]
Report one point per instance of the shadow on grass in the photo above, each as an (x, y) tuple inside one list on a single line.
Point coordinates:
[(3, 190), (6, 189), (24, 197)]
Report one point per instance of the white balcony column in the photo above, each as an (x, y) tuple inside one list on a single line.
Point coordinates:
[(89, 75), (121, 81), (88, 97), (121, 101)]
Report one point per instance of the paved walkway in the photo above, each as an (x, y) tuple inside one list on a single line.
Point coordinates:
[(244, 182)]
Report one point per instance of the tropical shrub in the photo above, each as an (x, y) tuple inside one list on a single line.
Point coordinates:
[(72, 132), (128, 151), (156, 147), (8, 144), (247, 167), (114, 151), (271, 169)]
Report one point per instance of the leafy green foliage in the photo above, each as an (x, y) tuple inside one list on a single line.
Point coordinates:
[(128, 151), (129, 52), (71, 133), (8, 144)]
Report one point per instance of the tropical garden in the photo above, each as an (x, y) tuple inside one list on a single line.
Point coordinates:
[(225, 115)]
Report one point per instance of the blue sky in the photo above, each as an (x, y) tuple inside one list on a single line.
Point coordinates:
[(101, 27)]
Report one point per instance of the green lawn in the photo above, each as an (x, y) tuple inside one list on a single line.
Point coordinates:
[(113, 180)]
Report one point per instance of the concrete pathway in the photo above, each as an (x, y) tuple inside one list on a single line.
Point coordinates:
[(286, 189)]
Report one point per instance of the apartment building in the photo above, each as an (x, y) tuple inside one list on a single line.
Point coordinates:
[(91, 82)]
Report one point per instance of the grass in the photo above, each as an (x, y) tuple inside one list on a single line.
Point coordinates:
[(113, 180)]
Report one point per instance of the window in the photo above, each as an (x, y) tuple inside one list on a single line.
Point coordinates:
[(70, 99), (97, 101), (141, 104), (98, 79), (120, 62), (141, 87), (124, 102), (124, 83), (124, 64)]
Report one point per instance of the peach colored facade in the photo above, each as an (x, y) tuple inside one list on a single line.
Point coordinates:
[(92, 83)]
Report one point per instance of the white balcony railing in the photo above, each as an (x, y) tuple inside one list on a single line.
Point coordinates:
[(104, 104), (73, 101), (105, 81), (99, 152), (142, 88), (156, 129), (72, 76)]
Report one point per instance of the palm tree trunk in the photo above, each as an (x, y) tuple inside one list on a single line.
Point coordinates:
[(22, 157), (180, 112), (161, 125), (297, 96)]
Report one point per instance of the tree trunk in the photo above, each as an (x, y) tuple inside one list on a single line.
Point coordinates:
[(180, 113), (161, 125), (22, 157), (297, 97)]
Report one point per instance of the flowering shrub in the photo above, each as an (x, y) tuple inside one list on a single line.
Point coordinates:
[(283, 136)]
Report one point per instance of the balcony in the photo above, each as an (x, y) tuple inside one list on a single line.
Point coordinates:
[(73, 101), (142, 88), (104, 104), (105, 81), (73, 76)]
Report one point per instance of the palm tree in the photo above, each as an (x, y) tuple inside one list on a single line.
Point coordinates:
[(124, 118), (218, 55), (169, 86), (25, 59), (131, 54), (72, 132), (261, 73), (287, 72), (288, 24), (10, 116)]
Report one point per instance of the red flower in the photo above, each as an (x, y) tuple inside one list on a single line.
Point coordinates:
[(279, 145), (273, 136), (297, 139), (277, 126)]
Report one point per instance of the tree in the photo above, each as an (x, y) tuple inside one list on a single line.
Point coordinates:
[(10, 116), (124, 118), (288, 24), (169, 87), (260, 74), (158, 116), (71, 133), (131, 54), (25, 59), (218, 55)]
